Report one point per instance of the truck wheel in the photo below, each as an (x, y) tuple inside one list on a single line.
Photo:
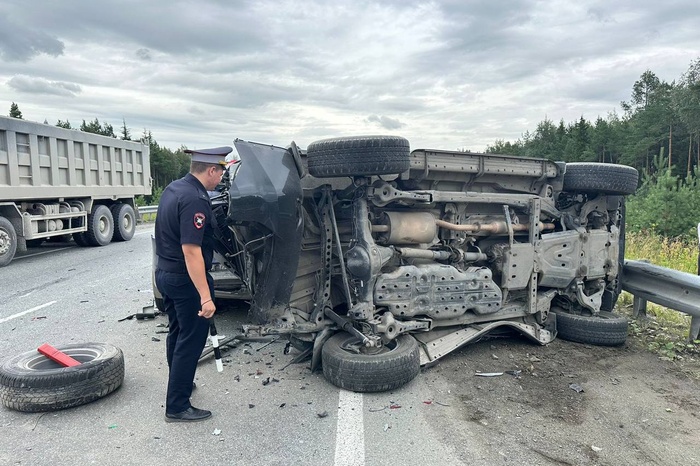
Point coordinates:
[(31, 382), (383, 369), (606, 178), (358, 156), (100, 226), (124, 222), (8, 241), (606, 329)]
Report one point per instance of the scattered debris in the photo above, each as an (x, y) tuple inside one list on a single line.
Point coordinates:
[(394, 406), (322, 415), (283, 405), (112, 426), (386, 427), (594, 448), (237, 378), (494, 356), (576, 387), (266, 344), (251, 405), (428, 402), (38, 317), (488, 374), (376, 410), (514, 373), (155, 339), (266, 381), (669, 410), (535, 359), (246, 351), (216, 432), (161, 331)]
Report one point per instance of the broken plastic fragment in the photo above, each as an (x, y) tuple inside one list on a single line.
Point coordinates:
[(216, 432), (489, 374), (576, 387)]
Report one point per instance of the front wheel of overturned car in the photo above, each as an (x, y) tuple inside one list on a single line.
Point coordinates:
[(370, 369), (605, 329), (359, 156), (31, 382)]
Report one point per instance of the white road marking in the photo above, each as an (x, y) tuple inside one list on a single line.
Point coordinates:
[(144, 232), (350, 434), (20, 314)]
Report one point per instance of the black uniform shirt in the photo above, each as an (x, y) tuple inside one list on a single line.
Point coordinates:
[(184, 217)]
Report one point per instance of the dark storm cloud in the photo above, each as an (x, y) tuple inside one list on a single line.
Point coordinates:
[(20, 44), (32, 85)]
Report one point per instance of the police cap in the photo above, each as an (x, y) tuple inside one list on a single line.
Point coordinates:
[(216, 155)]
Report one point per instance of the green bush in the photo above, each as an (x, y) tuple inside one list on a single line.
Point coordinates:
[(665, 205)]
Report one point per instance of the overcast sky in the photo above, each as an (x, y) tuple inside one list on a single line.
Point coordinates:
[(444, 74)]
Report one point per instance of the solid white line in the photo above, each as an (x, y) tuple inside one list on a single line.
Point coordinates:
[(350, 435), (20, 314)]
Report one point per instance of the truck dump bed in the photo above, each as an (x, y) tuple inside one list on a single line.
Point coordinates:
[(39, 161)]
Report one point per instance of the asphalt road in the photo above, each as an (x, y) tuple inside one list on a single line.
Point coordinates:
[(60, 293), (629, 407)]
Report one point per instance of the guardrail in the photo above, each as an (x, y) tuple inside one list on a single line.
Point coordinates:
[(147, 209), (667, 287)]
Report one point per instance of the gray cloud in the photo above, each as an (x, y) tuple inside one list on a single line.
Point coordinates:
[(144, 54), (20, 44), (33, 85), (385, 122)]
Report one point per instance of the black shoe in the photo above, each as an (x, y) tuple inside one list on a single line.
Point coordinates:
[(191, 414)]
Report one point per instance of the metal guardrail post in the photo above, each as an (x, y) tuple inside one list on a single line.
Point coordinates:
[(695, 320)]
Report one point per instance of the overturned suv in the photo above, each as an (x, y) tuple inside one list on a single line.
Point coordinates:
[(374, 260)]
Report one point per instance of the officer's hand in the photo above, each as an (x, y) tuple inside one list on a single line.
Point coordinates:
[(208, 310)]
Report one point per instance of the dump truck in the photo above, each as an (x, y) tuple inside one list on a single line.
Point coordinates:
[(67, 184)]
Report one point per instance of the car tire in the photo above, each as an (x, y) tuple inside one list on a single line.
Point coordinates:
[(600, 177), (387, 370), (606, 329), (124, 222), (100, 226), (31, 382), (358, 156)]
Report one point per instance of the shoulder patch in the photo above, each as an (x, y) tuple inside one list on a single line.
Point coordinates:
[(199, 219)]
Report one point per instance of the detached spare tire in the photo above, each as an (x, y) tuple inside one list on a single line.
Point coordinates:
[(358, 156), (605, 329), (606, 178), (32, 383)]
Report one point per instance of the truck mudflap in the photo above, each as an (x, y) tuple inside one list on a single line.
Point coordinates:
[(265, 203), (438, 343)]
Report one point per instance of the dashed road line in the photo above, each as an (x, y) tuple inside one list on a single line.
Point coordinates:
[(28, 311), (350, 434)]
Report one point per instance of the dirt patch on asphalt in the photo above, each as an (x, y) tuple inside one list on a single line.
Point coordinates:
[(568, 403)]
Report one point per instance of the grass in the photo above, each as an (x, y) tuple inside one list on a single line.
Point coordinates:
[(665, 332)]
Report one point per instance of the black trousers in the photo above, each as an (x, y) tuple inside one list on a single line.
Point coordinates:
[(187, 335)]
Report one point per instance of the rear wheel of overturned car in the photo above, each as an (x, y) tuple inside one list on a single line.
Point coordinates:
[(605, 329), (31, 382), (372, 369), (358, 156), (605, 178)]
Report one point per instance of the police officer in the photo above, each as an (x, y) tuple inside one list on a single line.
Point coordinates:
[(185, 249)]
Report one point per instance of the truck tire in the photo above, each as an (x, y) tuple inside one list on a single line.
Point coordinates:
[(8, 241), (397, 365), (606, 178), (607, 329), (358, 156), (124, 222), (100, 226), (31, 382)]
